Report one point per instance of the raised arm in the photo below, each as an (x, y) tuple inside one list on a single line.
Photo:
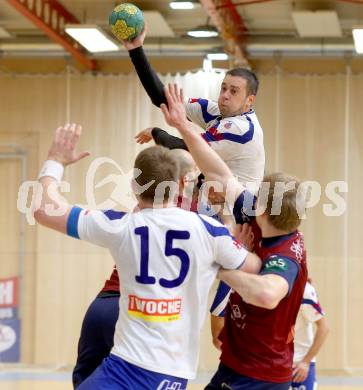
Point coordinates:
[(213, 167), (161, 137), (148, 77), (53, 210)]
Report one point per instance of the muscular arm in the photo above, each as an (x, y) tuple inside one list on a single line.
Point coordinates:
[(148, 77), (53, 210), (264, 291)]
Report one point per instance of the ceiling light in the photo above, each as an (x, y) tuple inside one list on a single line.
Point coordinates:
[(358, 39), (203, 32), (217, 56), (182, 5), (91, 37)]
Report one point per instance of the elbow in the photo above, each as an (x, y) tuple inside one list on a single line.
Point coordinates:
[(267, 300), (39, 215)]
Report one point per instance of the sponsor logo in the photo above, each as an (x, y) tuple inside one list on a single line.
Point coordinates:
[(168, 385), (276, 264), (154, 310), (7, 338), (237, 244), (8, 292), (297, 247)]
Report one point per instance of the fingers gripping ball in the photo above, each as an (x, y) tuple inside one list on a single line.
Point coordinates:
[(126, 21)]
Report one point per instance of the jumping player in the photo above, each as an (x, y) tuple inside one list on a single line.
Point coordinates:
[(230, 125), (257, 339), (166, 257)]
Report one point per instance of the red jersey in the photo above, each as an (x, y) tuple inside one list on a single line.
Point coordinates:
[(113, 283), (258, 342)]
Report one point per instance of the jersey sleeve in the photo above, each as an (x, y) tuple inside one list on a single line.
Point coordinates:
[(310, 307), (244, 207), (201, 111), (228, 253), (148, 77), (95, 226), (282, 266), (220, 300), (163, 138)]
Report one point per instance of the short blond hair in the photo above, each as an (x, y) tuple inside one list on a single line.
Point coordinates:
[(287, 218), (157, 165)]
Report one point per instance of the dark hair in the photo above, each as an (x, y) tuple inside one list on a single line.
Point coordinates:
[(249, 76), (156, 164)]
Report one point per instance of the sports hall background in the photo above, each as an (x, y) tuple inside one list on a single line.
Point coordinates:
[(311, 113)]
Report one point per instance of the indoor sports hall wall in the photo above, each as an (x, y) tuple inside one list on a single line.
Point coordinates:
[(313, 129)]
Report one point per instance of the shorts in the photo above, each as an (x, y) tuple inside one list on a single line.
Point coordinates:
[(309, 383), (116, 374), (227, 379)]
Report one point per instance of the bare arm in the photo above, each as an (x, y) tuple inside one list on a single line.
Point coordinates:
[(260, 290), (216, 326), (301, 369), (213, 167), (53, 210)]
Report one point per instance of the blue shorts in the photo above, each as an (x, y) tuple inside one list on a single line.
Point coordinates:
[(309, 383), (96, 339), (227, 379), (116, 374)]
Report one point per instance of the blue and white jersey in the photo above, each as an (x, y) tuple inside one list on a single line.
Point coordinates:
[(238, 140), (310, 312), (167, 260)]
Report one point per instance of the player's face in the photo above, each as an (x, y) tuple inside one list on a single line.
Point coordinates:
[(233, 98)]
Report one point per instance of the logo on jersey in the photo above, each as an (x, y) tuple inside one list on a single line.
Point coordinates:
[(298, 248), (154, 310), (237, 244), (228, 125), (168, 385), (276, 264)]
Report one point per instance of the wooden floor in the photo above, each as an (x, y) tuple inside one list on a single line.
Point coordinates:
[(66, 385)]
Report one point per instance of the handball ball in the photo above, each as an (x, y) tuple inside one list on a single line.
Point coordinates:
[(126, 21)]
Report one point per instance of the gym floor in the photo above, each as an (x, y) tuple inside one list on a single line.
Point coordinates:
[(36, 380)]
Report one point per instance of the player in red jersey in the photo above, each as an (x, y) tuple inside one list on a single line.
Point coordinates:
[(257, 340)]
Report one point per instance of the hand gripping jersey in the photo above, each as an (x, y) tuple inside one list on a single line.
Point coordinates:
[(310, 312), (238, 140), (258, 342), (167, 260)]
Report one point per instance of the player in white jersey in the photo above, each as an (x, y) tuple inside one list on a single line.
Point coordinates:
[(306, 343), (167, 259), (230, 125)]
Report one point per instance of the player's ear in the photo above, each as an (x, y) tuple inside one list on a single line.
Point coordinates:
[(251, 100)]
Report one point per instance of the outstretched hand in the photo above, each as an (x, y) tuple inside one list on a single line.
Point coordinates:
[(174, 112), (63, 148), (136, 42), (144, 136)]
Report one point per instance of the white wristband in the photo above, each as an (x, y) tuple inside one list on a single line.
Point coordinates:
[(52, 168)]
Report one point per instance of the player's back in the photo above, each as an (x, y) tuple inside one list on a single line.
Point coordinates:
[(166, 262)]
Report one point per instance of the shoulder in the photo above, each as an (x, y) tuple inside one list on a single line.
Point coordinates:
[(310, 292), (213, 227)]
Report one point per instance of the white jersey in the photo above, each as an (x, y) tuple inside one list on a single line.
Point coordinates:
[(310, 312), (167, 260), (238, 140)]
